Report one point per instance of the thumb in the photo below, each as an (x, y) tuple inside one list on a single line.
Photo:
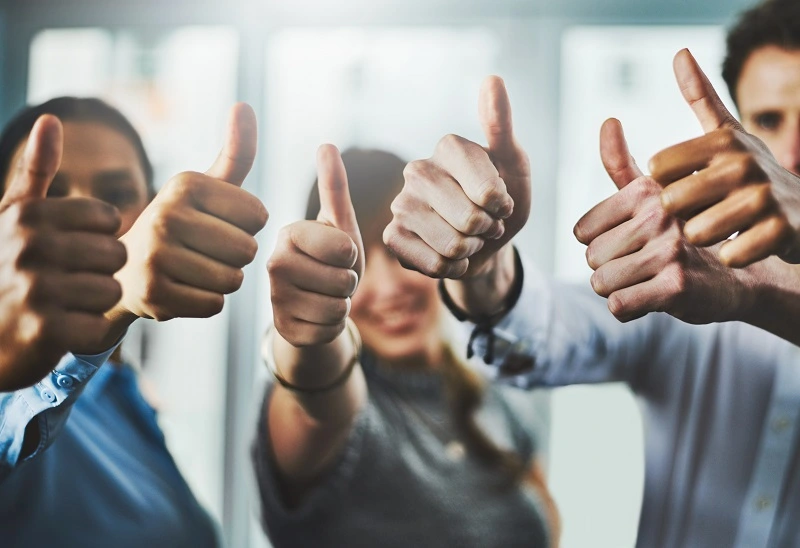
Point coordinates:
[(335, 207), (494, 112), (617, 159), (39, 162), (239, 151), (700, 94)]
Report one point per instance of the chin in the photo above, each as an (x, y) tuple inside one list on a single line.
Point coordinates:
[(397, 349)]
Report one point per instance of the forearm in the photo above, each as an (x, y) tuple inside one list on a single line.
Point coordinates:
[(776, 303), (308, 430)]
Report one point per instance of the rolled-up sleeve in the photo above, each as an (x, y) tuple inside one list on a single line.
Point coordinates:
[(47, 402)]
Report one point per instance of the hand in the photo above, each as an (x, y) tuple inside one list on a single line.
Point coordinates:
[(57, 263), (187, 249), (317, 264), (727, 181), (641, 258), (460, 207)]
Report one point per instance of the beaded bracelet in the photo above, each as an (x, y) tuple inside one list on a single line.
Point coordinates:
[(268, 356)]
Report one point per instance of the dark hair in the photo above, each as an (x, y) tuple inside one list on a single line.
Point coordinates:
[(771, 23), (375, 178), (67, 109)]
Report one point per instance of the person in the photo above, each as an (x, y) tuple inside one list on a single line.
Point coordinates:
[(720, 401), (50, 302), (744, 177), (82, 459), (399, 444)]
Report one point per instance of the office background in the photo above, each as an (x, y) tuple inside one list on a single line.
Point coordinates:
[(374, 73)]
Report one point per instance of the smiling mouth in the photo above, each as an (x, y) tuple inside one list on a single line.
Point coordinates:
[(397, 320)]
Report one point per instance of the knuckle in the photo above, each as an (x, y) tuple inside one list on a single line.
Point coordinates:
[(448, 144), (656, 164), (592, 258), (643, 188), (325, 334), (415, 170), (182, 186), (490, 190), (392, 237), (675, 251), (215, 305), (654, 220), (617, 306), (437, 267), (154, 290), (110, 291), (278, 265), (117, 254), (261, 214), (476, 222), (339, 309), (760, 199), (456, 248), (599, 283), (727, 138), (250, 250), (164, 220), (675, 282), (233, 280)]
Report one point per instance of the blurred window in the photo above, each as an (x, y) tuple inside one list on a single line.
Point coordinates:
[(596, 457)]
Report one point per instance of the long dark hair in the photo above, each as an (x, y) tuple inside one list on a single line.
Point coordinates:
[(375, 177), (76, 109)]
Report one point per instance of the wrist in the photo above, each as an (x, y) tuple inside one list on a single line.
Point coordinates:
[(773, 286), (486, 292), (315, 368)]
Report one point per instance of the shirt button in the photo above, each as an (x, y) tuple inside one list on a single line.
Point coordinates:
[(65, 381), (763, 503), (780, 425), (48, 396)]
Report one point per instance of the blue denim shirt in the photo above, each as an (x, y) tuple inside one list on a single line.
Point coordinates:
[(101, 474)]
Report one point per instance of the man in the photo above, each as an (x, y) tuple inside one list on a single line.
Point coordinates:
[(727, 180), (720, 402)]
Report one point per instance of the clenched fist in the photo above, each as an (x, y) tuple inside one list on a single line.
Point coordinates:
[(316, 265), (460, 207), (187, 249), (57, 260)]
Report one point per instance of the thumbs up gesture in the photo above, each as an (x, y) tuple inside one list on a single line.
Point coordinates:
[(458, 208), (57, 261), (727, 181), (316, 265), (187, 249), (641, 258)]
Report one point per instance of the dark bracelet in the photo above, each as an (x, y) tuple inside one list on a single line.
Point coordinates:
[(269, 359), (484, 324)]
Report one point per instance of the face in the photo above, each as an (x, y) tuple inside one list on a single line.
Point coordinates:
[(397, 310), (768, 93), (99, 162)]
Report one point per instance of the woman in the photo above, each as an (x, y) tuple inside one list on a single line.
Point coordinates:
[(82, 459), (399, 444)]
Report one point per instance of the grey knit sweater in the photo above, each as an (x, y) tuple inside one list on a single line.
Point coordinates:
[(399, 482)]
